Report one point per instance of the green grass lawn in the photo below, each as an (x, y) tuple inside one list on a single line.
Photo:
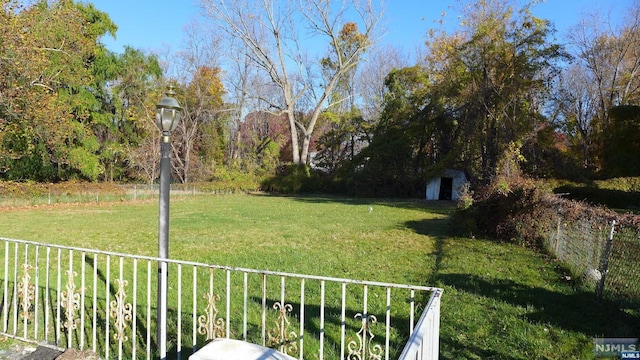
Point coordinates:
[(501, 301)]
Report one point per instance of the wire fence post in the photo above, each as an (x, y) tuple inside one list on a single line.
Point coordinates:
[(605, 261)]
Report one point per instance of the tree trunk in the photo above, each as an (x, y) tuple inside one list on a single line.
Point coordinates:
[(295, 146), (306, 142)]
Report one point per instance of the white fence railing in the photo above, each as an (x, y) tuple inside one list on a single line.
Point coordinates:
[(424, 342), (105, 302)]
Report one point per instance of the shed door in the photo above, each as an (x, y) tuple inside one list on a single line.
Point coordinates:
[(446, 188)]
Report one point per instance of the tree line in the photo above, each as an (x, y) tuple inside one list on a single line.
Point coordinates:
[(498, 94)]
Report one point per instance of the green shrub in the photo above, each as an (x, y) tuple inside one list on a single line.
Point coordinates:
[(231, 179), (296, 179), (289, 179)]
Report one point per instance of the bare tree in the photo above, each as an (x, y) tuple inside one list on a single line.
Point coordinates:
[(576, 107), (200, 95), (247, 89), (144, 159), (270, 32), (370, 81), (612, 57), (606, 74)]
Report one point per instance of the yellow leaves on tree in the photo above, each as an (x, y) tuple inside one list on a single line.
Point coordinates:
[(206, 87)]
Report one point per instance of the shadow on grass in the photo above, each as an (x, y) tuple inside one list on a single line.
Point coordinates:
[(615, 199), (436, 207), (466, 350), (438, 229), (103, 318), (576, 311), (563, 305)]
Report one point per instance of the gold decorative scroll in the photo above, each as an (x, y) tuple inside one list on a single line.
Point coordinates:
[(363, 349), (26, 292), (70, 302), (121, 311), (280, 335), (209, 324)]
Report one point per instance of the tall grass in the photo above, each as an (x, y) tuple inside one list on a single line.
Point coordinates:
[(501, 301)]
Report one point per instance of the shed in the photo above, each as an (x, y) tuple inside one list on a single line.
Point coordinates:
[(447, 186)]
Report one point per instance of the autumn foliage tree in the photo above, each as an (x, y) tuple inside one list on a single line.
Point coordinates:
[(200, 137), (495, 75), (473, 105), (46, 59), (268, 81), (264, 138), (344, 130)]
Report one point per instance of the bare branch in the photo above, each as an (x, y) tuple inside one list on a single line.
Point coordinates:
[(268, 31)]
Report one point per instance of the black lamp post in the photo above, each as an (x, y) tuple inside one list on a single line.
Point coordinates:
[(168, 113)]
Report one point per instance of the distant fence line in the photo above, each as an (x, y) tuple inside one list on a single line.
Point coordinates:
[(605, 252), (127, 192), (145, 190)]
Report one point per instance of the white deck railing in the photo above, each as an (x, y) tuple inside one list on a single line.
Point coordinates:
[(424, 342), (105, 302)]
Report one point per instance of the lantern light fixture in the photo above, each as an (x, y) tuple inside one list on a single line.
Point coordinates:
[(168, 112)]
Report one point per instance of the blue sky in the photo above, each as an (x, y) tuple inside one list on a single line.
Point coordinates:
[(156, 24)]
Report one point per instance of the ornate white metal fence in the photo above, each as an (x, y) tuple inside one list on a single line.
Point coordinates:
[(423, 344), (105, 302)]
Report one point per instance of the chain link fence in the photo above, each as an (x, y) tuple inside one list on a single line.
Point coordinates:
[(43, 194), (621, 267), (604, 252)]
